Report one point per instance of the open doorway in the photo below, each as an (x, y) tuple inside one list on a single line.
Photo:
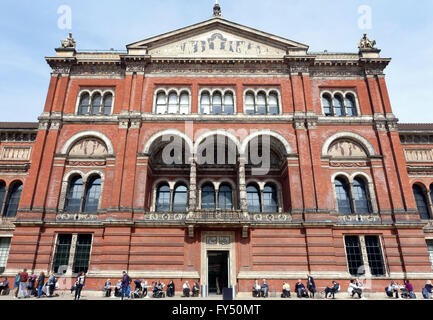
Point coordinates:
[(218, 271)]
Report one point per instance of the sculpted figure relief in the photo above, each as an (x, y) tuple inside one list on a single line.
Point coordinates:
[(366, 43), (69, 42)]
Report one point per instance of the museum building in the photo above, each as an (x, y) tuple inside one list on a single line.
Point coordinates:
[(221, 154)]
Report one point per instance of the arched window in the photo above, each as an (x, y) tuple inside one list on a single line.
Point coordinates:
[(229, 105), (208, 197), (338, 106), (217, 103), (205, 103), (180, 199), (421, 202), (108, 103), (161, 103), (2, 194), (327, 105), (253, 199), (250, 103), (270, 199), (83, 109), (343, 196), (349, 103), (273, 104), (360, 194), (225, 197), (96, 104), (173, 106), (261, 103), (13, 202), (93, 194), (184, 103), (73, 197), (163, 198)]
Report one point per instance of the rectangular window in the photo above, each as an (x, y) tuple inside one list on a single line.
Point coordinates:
[(374, 253), (5, 244), (82, 253), (354, 255), (430, 250), (61, 257)]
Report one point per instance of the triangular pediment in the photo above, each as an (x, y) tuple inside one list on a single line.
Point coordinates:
[(216, 38)]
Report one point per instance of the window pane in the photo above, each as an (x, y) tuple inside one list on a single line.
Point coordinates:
[(354, 256), (253, 199), (163, 199), (229, 105), (93, 194), (327, 105), (61, 257), (172, 103), (2, 194), (75, 192), (208, 198), (261, 103), (343, 196), (225, 198), (161, 103), (96, 104), (83, 109), (180, 199), (184, 103), (362, 201), (205, 103), (249, 104), (338, 106), (5, 244), (350, 106), (421, 202), (273, 104), (108, 102), (217, 103), (11, 208), (82, 253), (430, 250), (375, 258), (270, 199)]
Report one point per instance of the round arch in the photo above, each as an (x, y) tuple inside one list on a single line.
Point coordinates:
[(224, 133), (169, 132), (258, 133), (351, 135), (91, 134)]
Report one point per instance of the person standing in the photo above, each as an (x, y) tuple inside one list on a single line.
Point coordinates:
[(24, 276), (17, 284), (311, 286), (79, 284), (51, 284), (126, 280), (170, 289), (264, 288), (41, 281)]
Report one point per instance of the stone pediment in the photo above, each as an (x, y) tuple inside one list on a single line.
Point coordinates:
[(216, 38)]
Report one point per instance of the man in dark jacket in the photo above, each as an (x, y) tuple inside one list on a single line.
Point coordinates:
[(126, 280), (4, 285), (311, 286), (301, 292)]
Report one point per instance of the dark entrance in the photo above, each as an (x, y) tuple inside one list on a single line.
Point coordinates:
[(218, 271)]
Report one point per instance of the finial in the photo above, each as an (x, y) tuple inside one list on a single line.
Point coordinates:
[(69, 42), (366, 43), (216, 9)]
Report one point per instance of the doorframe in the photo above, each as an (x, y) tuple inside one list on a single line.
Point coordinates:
[(218, 246)]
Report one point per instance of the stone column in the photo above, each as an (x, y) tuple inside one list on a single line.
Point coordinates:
[(193, 186), (69, 271), (367, 274), (242, 184)]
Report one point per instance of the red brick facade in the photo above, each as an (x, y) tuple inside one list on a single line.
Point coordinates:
[(306, 235)]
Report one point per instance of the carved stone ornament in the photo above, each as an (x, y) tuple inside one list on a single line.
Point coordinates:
[(217, 10), (269, 218), (346, 148), (366, 43), (135, 66), (419, 155), (89, 147), (15, 153), (76, 217), (369, 218), (69, 42), (61, 68)]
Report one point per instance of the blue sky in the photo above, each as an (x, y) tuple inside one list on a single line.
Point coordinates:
[(29, 32)]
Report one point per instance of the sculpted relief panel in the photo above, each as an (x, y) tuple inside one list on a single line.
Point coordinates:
[(346, 148), (89, 147), (419, 155), (217, 44), (15, 153)]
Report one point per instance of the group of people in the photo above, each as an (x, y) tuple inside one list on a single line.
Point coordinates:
[(26, 286), (141, 290), (406, 291)]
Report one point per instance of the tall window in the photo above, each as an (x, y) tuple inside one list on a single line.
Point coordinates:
[(5, 244), (375, 257), (73, 197), (61, 256), (13, 202), (343, 196), (421, 202), (83, 108), (91, 201), (229, 103), (270, 199), (362, 202), (184, 103), (349, 103), (250, 103), (253, 199), (172, 102), (273, 104), (339, 104), (225, 201), (261, 103), (2, 193), (327, 105), (161, 103), (180, 199), (173, 105), (82, 253), (108, 104), (217, 102), (95, 103), (163, 199), (205, 103), (208, 197), (354, 255)]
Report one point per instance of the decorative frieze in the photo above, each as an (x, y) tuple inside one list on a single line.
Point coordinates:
[(419, 155), (359, 219), (15, 153), (78, 217), (271, 218)]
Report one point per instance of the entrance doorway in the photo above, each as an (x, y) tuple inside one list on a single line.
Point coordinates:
[(218, 271)]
